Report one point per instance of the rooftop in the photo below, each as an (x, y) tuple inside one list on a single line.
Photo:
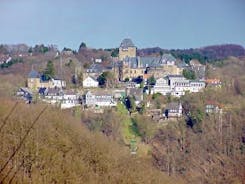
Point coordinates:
[(33, 74), (173, 105), (127, 43)]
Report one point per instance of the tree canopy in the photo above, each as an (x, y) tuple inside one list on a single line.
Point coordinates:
[(106, 79), (189, 74), (151, 80), (49, 71), (82, 45)]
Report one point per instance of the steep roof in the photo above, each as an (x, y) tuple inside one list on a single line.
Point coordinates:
[(91, 77), (127, 43), (148, 61), (173, 105), (33, 74), (168, 57)]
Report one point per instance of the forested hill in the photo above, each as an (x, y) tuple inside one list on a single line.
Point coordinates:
[(204, 54)]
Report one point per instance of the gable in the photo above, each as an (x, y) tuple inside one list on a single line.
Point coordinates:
[(90, 79)]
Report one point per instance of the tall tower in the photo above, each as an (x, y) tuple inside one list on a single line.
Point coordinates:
[(127, 49)]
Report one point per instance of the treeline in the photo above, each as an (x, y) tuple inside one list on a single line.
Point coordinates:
[(11, 62), (205, 54)]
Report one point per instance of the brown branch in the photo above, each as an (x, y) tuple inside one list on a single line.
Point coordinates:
[(7, 117), (23, 139)]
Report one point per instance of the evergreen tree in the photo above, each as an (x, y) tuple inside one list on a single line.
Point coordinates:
[(189, 74), (82, 45), (49, 72)]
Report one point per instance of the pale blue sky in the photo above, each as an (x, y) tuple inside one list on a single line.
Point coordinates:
[(104, 23)]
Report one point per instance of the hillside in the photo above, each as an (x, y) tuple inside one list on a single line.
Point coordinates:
[(84, 147), (59, 149), (204, 148)]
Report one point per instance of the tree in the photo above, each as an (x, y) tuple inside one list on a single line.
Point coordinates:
[(106, 79), (189, 74), (82, 45), (151, 81), (49, 72), (161, 53), (126, 80), (115, 52), (130, 103), (102, 80)]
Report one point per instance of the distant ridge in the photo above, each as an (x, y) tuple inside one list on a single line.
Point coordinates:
[(208, 53)]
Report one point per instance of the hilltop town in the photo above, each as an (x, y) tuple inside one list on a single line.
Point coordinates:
[(127, 79)]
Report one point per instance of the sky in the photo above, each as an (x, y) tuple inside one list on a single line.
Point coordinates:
[(168, 24)]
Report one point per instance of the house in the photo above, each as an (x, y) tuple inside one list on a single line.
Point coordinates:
[(119, 93), (33, 80), (212, 107), (98, 60), (196, 86), (173, 110), (198, 68), (137, 93), (161, 86), (179, 85), (63, 99), (58, 83), (96, 69), (70, 99), (127, 49), (213, 82), (174, 79), (90, 82), (155, 114), (100, 99), (36, 81)]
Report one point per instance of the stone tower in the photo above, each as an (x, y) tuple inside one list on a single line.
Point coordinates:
[(127, 49)]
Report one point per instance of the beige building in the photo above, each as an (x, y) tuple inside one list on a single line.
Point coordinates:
[(132, 73), (134, 67), (127, 49), (34, 82)]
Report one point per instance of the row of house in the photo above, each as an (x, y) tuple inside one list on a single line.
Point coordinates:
[(176, 85), (175, 110), (59, 97), (51, 91)]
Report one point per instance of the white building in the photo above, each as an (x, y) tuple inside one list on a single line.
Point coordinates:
[(196, 86), (58, 83), (161, 86), (98, 60), (99, 99), (173, 110), (63, 99), (183, 86), (90, 82), (177, 85), (172, 79)]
